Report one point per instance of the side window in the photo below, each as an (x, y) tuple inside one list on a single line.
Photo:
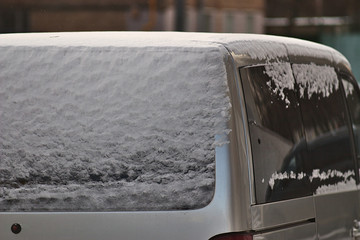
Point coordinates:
[(353, 100), (276, 132), (326, 127)]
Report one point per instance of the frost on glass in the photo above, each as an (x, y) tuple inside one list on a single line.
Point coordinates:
[(106, 129)]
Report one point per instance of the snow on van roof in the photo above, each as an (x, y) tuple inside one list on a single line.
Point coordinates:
[(254, 45)]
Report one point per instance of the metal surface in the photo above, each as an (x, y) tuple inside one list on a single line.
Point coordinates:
[(301, 232), (335, 214), (282, 213), (242, 190)]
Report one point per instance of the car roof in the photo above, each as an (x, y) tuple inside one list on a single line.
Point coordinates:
[(255, 46)]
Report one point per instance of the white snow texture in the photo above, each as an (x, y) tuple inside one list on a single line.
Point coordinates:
[(316, 79), (347, 183), (281, 75), (110, 128)]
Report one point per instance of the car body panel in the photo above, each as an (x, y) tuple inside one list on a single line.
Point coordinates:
[(234, 207)]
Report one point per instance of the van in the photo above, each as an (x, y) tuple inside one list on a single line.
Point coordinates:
[(131, 135)]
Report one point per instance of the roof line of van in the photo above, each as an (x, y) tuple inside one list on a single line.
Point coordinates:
[(256, 46)]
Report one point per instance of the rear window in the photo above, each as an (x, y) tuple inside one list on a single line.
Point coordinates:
[(299, 130), (109, 129)]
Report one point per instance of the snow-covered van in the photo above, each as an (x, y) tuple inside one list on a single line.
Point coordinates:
[(129, 135)]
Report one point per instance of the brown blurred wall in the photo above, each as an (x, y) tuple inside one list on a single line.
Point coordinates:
[(86, 15), (75, 15), (312, 18)]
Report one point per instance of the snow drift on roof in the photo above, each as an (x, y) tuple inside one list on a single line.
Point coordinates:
[(261, 47)]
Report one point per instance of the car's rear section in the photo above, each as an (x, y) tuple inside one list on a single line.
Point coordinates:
[(175, 136), (115, 140)]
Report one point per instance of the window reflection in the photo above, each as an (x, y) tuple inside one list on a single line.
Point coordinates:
[(275, 131), (325, 123), (353, 100), (299, 130)]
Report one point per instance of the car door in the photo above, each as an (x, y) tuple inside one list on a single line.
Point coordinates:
[(284, 203), (330, 152), (352, 95)]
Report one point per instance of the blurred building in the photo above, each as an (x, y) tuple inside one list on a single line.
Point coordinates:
[(81, 15), (310, 19), (225, 16), (331, 22), (95, 15)]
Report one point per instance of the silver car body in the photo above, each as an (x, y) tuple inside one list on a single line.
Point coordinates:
[(234, 207)]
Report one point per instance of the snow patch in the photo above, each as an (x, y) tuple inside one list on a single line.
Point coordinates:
[(348, 88), (110, 128), (338, 187), (347, 183), (316, 79), (317, 174), (281, 176), (281, 75)]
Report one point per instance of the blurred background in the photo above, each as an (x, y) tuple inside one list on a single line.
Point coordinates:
[(332, 22)]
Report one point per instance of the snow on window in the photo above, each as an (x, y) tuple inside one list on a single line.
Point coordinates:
[(338, 187), (348, 88), (313, 78), (347, 179), (322, 175), (316, 79), (281, 75), (105, 128), (281, 176)]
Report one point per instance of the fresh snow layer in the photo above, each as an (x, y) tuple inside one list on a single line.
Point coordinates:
[(281, 75), (310, 79), (338, 187), (315, 79), (260, 47), (348, 88), (347, 183), (110, 128)]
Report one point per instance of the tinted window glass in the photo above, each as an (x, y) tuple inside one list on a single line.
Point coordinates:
[(276, 132), (353, 100), (326, 127), (352, 94)]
